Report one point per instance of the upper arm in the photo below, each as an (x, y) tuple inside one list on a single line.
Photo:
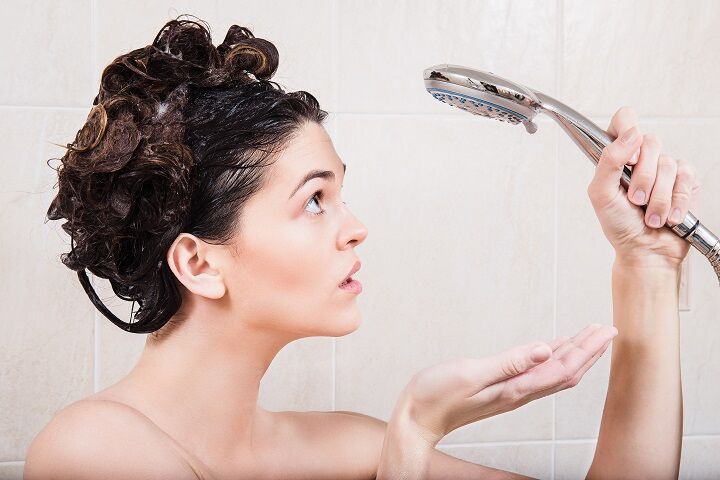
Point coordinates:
[(369, 432), (100, 439)]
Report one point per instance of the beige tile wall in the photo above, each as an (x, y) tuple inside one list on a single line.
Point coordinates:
[(480, 235)]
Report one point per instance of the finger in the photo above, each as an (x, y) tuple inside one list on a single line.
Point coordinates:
[(575, 358), (509, 363), (683, 192), (658, 208), (645, 171), (593, 360), (557, 375), (558, 342), (605, 185), (577, 339), (624, 119)]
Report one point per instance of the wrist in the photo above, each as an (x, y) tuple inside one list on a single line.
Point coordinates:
[(406, 450), (647, 263), (405, 421)]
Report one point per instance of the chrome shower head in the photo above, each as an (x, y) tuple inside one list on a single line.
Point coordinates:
[(484, 94), (489, 95)]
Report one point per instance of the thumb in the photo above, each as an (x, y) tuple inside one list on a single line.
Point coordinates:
[(610, 166), (517, 360)]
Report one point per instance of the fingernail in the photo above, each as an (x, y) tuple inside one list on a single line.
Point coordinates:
[(615, 331), (639, 196), (675, 216), (629, 137), (654, 220), (635, 156)]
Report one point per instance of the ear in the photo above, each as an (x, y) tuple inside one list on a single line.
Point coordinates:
[(193, 264)]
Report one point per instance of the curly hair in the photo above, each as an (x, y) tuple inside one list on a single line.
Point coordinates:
[(177, 140)]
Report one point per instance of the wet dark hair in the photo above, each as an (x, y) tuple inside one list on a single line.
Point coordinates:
[(178, 139)]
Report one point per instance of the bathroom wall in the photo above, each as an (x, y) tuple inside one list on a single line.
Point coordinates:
[(481, 236)]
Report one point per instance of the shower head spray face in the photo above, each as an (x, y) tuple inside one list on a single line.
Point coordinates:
[(484, 94)]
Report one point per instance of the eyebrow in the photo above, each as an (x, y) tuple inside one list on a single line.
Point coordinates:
[(327, 174)]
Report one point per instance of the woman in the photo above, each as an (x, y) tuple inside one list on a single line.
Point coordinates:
[(213, 199)]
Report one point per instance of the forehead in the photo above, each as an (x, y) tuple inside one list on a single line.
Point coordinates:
[(311, 148)]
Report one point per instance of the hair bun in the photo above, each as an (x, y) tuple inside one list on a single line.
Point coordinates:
[(241, 51)]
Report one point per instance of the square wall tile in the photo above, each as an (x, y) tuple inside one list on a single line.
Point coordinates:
[(699, 459), (304, 49), (573, 460), (47, 327), (383, 48), (659, 56), (46, 54), (12, 470), (459, 256)]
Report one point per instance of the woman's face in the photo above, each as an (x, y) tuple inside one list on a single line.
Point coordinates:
[(296, 244)]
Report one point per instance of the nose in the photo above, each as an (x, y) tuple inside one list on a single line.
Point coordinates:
[(352, 233)]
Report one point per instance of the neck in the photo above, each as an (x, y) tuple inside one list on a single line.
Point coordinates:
[(200, 384)]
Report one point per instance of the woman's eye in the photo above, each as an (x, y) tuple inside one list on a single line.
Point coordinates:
[(314, 199)]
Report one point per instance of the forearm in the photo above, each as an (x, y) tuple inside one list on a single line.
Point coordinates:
[(641, 429), (407, 453)]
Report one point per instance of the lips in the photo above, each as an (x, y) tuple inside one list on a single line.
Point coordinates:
[(354, 269)]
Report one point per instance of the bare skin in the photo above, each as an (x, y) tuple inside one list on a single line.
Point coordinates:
[(189, 407)]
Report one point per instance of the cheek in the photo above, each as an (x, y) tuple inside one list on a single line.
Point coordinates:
[(285, 269)]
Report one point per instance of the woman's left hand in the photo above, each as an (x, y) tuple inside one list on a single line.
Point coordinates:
[(640, 237)]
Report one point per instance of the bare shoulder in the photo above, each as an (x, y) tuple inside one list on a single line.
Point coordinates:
[(102, 439)]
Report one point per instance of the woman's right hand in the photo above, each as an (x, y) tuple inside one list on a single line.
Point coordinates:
[(447, 396)]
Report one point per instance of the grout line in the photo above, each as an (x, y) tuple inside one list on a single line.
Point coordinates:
[(96, 320), (559, 59), (334, 71), (334, 339), (43, 107), (333, 372), (572, 441), (94, 75), (540, 118), (334, 74)]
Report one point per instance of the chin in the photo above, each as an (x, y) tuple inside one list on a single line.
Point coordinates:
[(342, 325)]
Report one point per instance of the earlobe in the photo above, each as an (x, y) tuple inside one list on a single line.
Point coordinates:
[(188, 258)]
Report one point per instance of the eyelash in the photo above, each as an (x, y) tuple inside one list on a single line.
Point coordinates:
[(319, 195)]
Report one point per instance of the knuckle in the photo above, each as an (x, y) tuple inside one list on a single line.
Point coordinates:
[(512, 394), (651, 139), (685, 170), (573, 381), (608, 153), (511, 367), (591, 191), (565, 378), (658, 205), (681, 197), (666, 162), (643, 178), (626, 111)]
